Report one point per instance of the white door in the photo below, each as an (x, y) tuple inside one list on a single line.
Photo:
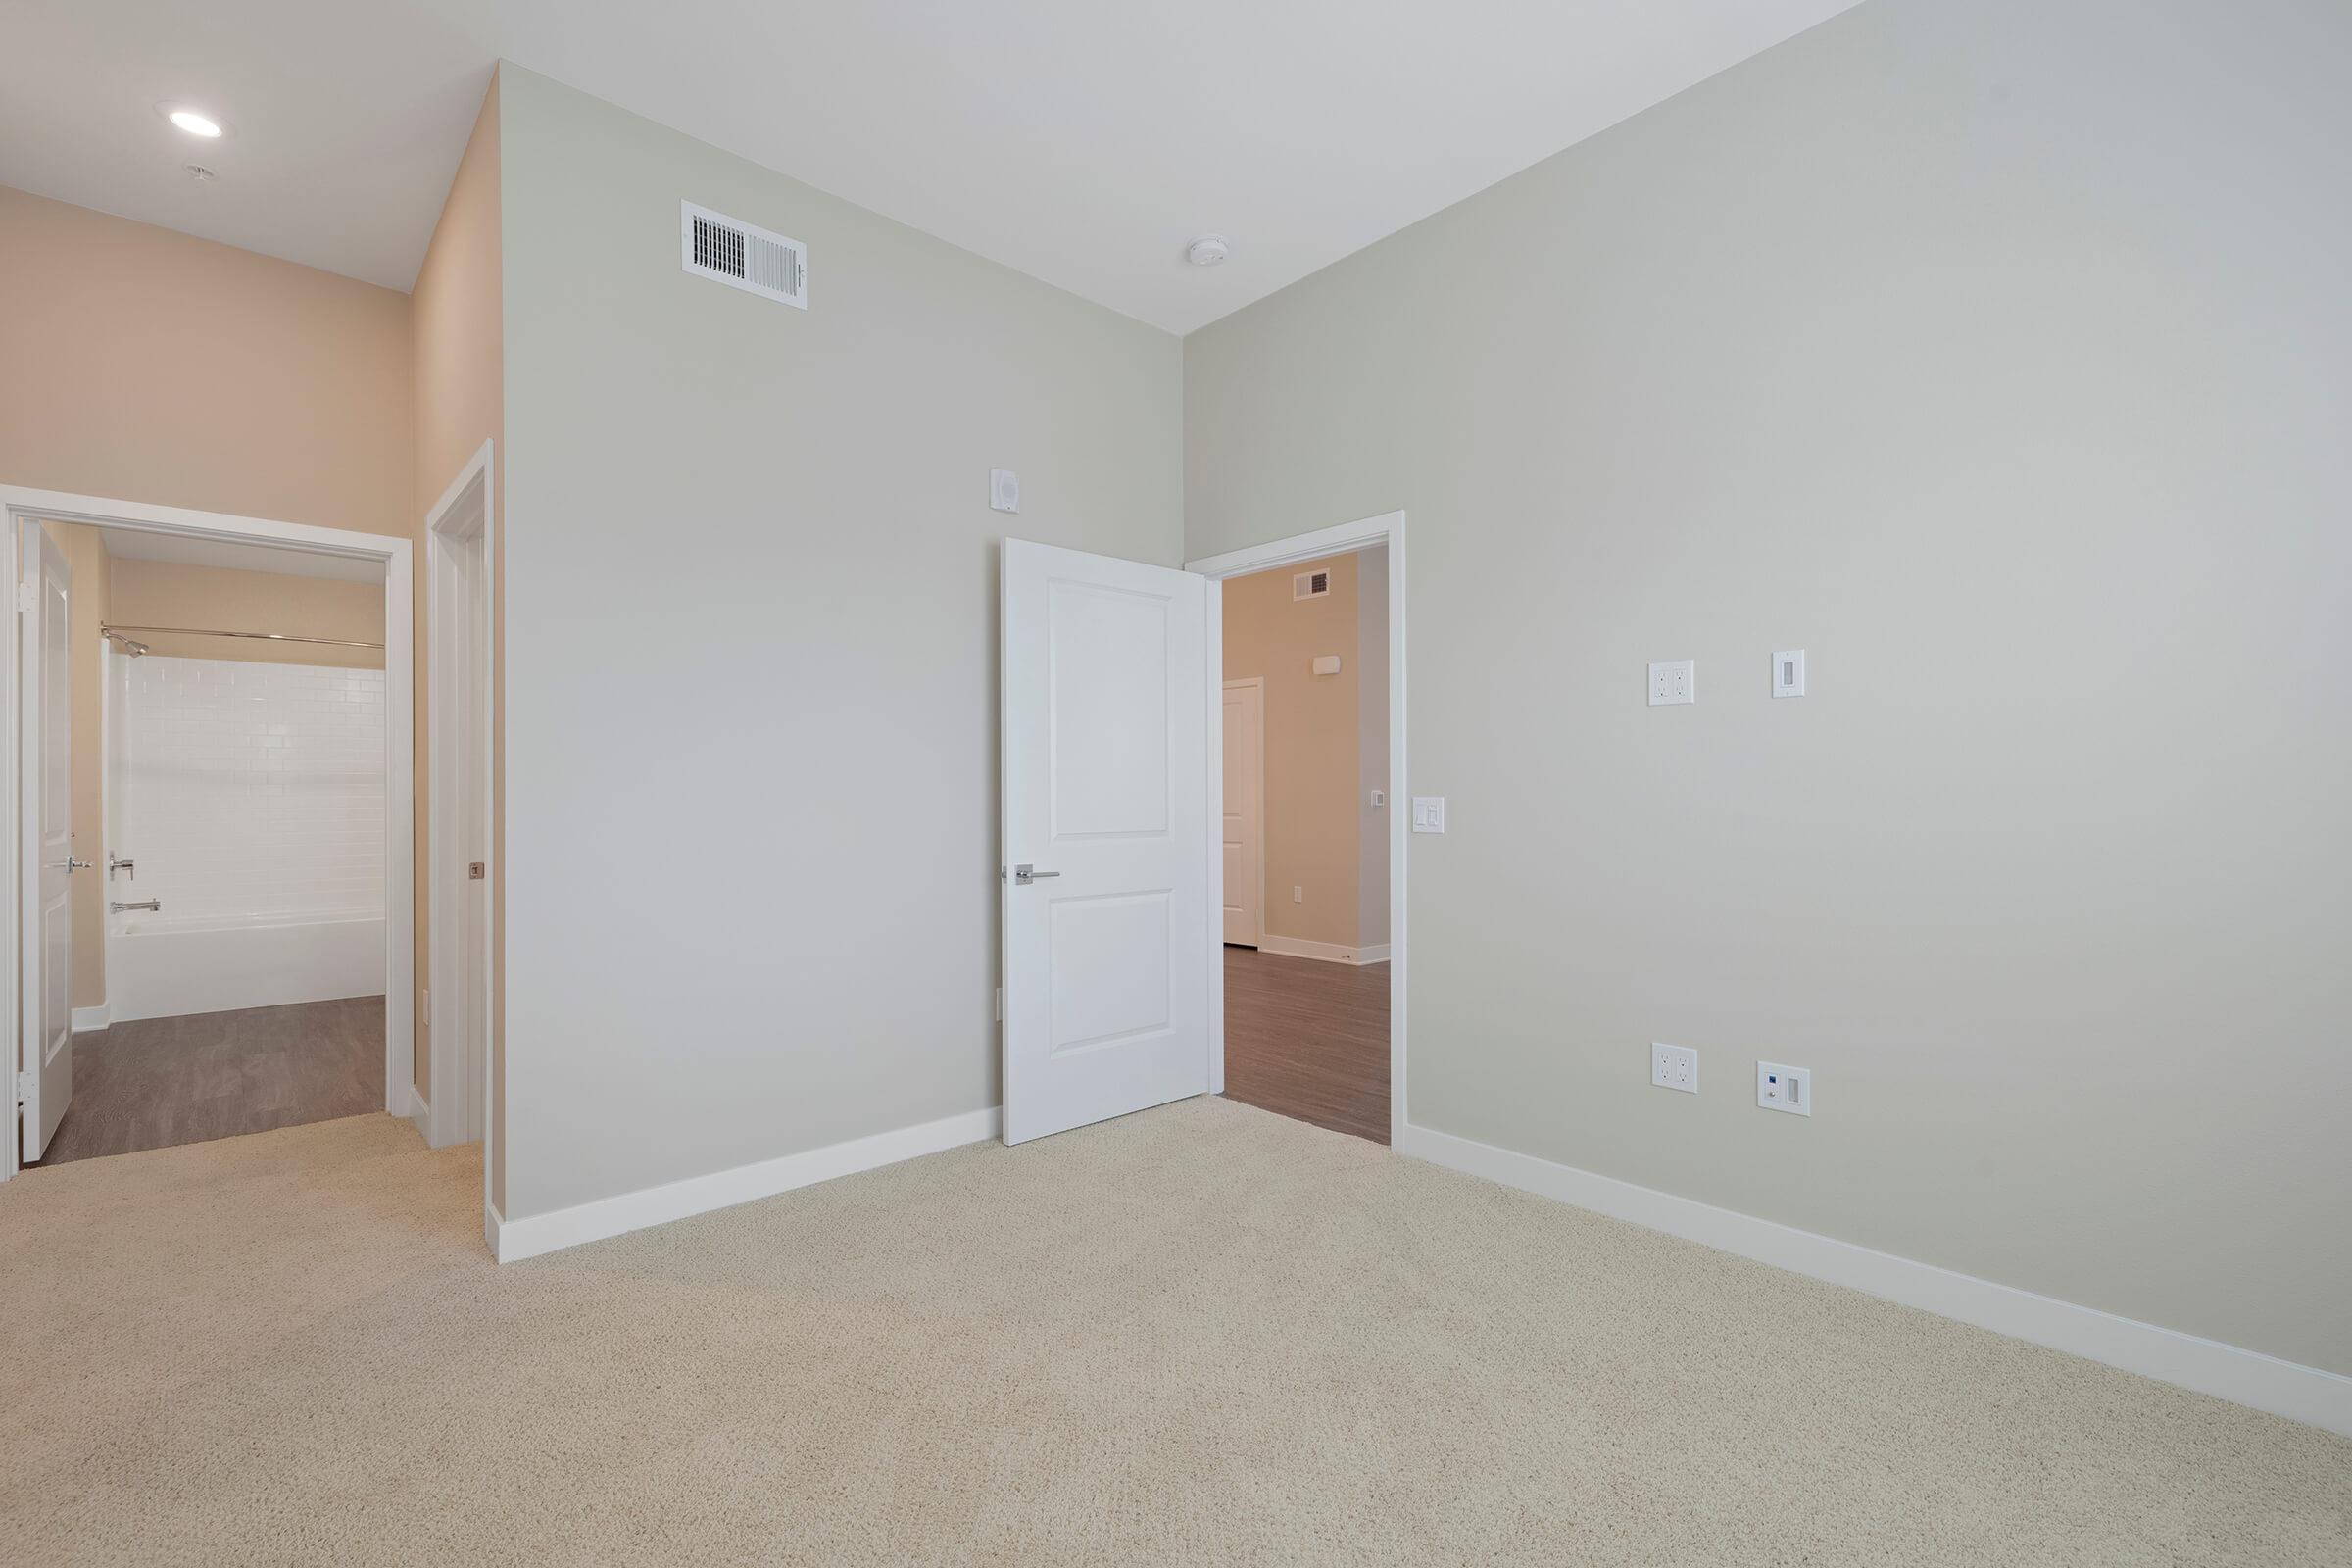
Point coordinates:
[(1245, 811), (47, 695), (1107, 938)]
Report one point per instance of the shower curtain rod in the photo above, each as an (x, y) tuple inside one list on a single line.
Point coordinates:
[(109, 629)]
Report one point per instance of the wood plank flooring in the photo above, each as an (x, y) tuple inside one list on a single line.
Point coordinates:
[(156, 1082), (1308, 1040)]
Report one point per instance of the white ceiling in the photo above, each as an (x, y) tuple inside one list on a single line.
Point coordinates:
[(136, 544), (1085, 142)]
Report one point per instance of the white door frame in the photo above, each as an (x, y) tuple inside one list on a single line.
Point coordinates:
[(1343, 539), (26, 507), (461, 542), (1259, 683)]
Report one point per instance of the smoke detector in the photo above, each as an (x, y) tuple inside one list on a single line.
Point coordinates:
[(1208, 250)]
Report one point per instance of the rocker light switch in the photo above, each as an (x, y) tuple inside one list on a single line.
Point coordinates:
[(1429, 814)]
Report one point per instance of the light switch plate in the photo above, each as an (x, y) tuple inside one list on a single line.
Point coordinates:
[(1673, 1067), (1429, 814), (1788, 672), (1789, 1089), (1674, 681)]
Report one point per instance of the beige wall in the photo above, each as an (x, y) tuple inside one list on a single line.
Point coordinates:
[(86, 609), (1373, 822), (1312, 757), (460, 383), (2003, 370), (165, 593), (145, 365), (737, 834)]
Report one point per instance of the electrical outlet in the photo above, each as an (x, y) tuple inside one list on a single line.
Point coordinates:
[(1674, 681), (1674, 1068), (1789, 1089)]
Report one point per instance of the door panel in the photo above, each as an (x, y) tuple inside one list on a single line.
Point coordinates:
[(1106, 756), (1244, 831), (46, 960)]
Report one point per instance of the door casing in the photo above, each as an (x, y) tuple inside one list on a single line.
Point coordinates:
[(461, 535)]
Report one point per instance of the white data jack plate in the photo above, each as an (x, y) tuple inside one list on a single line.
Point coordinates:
[(1789, 1089), (1788, 672), (1674, 1068), (1674, 681)]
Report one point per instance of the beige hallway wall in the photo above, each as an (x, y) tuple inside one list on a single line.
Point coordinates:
[(1312, 759), (1996, 355), (460, 374), (150, 365)]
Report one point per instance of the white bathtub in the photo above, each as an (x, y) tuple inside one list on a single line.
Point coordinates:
[(164, 968)]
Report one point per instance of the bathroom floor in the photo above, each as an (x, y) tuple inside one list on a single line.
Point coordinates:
[(157, 1082)]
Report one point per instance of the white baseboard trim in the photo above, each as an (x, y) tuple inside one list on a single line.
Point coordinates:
[(1301, 947), (2245, 1377), (421, 1113), (90, 1020), (493, 1223), (1376, 953), (533, 1234)]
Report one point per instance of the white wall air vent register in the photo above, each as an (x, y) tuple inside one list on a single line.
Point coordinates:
[(1310, 584), (715, 246)]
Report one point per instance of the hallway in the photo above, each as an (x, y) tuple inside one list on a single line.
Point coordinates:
[(1308, 1040)]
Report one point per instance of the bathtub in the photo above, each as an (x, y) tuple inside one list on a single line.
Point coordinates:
[(162, 967)]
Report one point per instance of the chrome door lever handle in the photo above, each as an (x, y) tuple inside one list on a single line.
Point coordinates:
[(1030, 873), (72, 865)]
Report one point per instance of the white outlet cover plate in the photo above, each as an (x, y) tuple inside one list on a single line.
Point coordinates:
[(1676, 680), (1788, 672), (1782, 1087), (1673, 1067)]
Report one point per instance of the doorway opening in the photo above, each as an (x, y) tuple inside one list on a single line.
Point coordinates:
[(213, 803), (1311, 638)]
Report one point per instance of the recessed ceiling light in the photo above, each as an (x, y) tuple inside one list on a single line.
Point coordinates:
[(1208, 250), (194, 123)]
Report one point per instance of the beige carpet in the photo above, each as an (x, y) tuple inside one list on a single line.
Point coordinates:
[(1201, 1335)]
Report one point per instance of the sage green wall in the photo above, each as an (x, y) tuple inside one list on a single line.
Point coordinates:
[(2000, 355)]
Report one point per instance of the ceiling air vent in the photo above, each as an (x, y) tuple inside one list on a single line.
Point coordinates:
[(1310, 584), (714, 246)]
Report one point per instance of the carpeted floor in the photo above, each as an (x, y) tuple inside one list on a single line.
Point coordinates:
[(1200, 1335)]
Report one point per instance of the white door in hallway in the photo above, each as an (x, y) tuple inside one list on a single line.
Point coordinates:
[(46, 1030), (1107, 937), (1244, 832)]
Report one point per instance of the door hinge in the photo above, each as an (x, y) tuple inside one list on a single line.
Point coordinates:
[(28, 595)]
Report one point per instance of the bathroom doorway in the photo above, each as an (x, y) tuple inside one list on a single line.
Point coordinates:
[(215, 829)]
